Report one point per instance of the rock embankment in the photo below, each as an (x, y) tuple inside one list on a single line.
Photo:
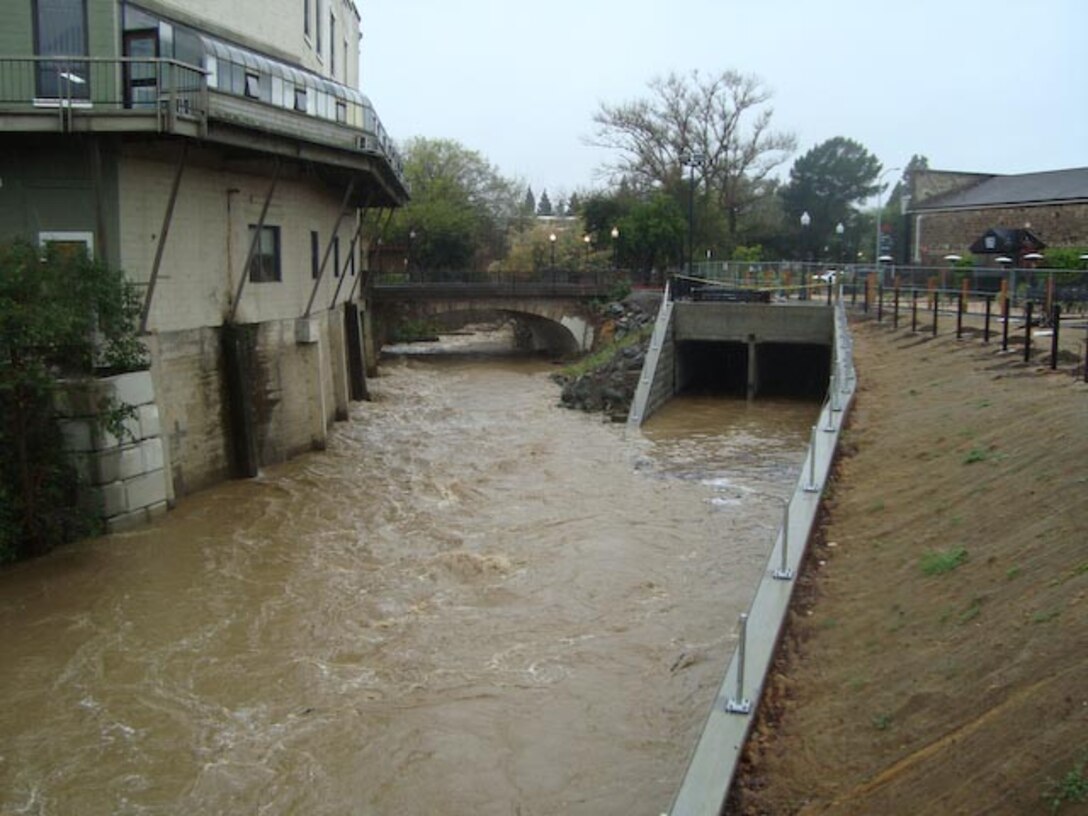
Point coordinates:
[(608, 384)]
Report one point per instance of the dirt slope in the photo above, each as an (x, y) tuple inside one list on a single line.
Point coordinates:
[(937, 659)]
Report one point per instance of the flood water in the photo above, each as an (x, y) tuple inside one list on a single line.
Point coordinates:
[(475, 602)]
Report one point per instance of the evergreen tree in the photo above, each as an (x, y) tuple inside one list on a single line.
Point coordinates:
[(530, 201), (544, 206)]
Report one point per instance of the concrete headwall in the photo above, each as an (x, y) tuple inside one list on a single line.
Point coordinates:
[(755, 322)]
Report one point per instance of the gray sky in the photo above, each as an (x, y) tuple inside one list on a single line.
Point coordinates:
[(973, 85)]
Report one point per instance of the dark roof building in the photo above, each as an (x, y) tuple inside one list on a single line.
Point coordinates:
[(949, 211)]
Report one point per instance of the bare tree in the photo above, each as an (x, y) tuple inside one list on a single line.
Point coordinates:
[(723, 120)]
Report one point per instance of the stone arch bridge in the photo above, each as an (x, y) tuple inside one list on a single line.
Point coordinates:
[(553, 316)]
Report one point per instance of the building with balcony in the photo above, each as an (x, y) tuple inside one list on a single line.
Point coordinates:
[(222, 155)]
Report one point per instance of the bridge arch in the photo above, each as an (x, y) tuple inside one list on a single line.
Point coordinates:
[(558, 325)]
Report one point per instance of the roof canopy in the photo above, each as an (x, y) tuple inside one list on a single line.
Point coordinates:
[(1005, 241)]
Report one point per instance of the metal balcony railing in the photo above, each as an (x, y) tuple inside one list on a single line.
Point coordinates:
[(165, 90)]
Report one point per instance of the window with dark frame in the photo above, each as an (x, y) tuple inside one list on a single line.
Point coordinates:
[(336, 256), (264, 266), (315, 254), (300, 99), (332, 45), (253, 85), (60, 29)]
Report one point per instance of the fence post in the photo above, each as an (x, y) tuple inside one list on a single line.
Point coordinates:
[(738, 704), (880, 301), (1005, 326), (1055, 322), (986, 322), (1027, 332), (914, 309), (935, 312), (959, 317)]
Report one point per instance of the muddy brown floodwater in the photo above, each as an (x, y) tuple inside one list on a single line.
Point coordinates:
[(474, 602)]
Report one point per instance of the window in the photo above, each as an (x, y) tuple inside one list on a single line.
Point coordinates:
[(315, 255), (264, 266), (336, 256), (60, 28), (300, 99), (67, 242), (351, 264), (253, 85), (332, 45), (341, 111)]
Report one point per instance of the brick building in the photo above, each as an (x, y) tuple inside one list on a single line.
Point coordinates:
[(948, 211)]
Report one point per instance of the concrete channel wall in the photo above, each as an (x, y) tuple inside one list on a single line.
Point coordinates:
[(657, 382), (714, 759)]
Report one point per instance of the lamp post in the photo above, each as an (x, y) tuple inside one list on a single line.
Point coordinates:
[(408, 257), (806, 221), (615, 244), (552, 240), (587, 241), (876, 249), (692, 160)]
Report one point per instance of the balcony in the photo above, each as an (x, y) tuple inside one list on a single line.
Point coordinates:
[(165, 96), (93, 94)]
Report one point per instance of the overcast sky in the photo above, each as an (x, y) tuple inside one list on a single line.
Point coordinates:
[(974, 85)]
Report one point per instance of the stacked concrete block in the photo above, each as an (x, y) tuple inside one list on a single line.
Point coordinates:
[(123, 480)]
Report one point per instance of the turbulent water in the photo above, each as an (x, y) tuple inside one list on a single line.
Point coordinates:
[(475, 602)]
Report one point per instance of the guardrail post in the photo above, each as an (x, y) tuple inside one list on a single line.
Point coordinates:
[(784, 573), (739, 704), (812, 487)]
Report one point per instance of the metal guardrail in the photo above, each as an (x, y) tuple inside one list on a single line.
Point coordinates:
[(67, 87)]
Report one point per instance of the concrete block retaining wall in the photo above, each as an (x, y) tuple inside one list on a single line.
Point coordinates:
[(123, 480)]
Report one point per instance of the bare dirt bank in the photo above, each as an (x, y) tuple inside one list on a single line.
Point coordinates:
[(936, 658)]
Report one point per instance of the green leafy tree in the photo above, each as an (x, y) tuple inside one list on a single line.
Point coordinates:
[(461, 207), (828, 182), (652, 236), (60, 315)]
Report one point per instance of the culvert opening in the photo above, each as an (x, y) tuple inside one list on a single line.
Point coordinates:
[(712, 367), (792, 370)]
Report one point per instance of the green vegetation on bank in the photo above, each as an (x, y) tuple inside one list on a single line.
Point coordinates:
[(62, 315)]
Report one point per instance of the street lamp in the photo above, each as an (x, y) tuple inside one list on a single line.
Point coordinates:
[(806, 221), (840, 232), (692, 160), (615, 243), (876, 250), (552, 240), (408, 257), (586, 238)]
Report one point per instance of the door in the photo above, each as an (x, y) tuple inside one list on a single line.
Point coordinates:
[(141, 69)]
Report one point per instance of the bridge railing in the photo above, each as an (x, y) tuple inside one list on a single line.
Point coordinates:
[(538, 283)]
